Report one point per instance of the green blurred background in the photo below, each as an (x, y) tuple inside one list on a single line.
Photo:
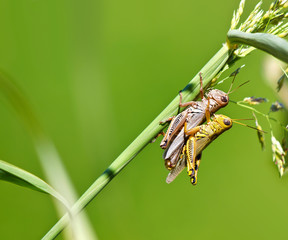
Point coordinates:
[(97, 73)]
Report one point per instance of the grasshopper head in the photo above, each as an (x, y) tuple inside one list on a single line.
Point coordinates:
[(223, 120), (219, 96)]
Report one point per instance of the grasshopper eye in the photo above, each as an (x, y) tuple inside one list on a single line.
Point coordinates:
[(227, 122), (224, 99)]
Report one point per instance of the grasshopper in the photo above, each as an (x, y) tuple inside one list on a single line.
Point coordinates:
[(196, 113), (199, 138)]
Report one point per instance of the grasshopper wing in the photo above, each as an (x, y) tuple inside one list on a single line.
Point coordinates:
[(172, 161), (181, 164), (175, 145), (174, 127), (194, 118)]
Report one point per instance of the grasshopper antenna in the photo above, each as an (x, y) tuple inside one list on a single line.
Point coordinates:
[(243, 119), (234, 74), (232, 83), (247, 125), (229, 92)]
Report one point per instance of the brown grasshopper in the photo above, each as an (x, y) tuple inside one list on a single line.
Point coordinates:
[(196, 113)]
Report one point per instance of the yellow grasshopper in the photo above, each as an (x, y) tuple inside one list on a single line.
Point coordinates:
[(199, 138)]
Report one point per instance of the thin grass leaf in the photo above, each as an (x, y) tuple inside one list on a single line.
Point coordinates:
[(269, 43), (16, 175), (260, 133), (281, 80), (236, 72), (48, 154)]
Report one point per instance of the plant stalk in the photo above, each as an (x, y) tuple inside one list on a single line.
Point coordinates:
[(190, 92)]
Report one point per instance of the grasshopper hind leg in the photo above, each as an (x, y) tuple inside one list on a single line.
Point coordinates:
[(191, 156), (194, 178)]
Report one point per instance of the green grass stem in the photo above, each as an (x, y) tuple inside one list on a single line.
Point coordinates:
[(191, 91)]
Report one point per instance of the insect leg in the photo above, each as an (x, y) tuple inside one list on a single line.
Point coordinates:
[(165, 140), (167, 120), (201, 86), (155, 138), (190, 154), (174, 128), (192, 131), (191, 103), (197, 165), (207, 111)]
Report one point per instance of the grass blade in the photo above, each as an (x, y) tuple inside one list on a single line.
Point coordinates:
[(16, 175), (266, 42), (48, 154)]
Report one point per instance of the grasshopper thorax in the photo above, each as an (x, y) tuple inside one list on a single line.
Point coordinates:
[(220, 97)]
